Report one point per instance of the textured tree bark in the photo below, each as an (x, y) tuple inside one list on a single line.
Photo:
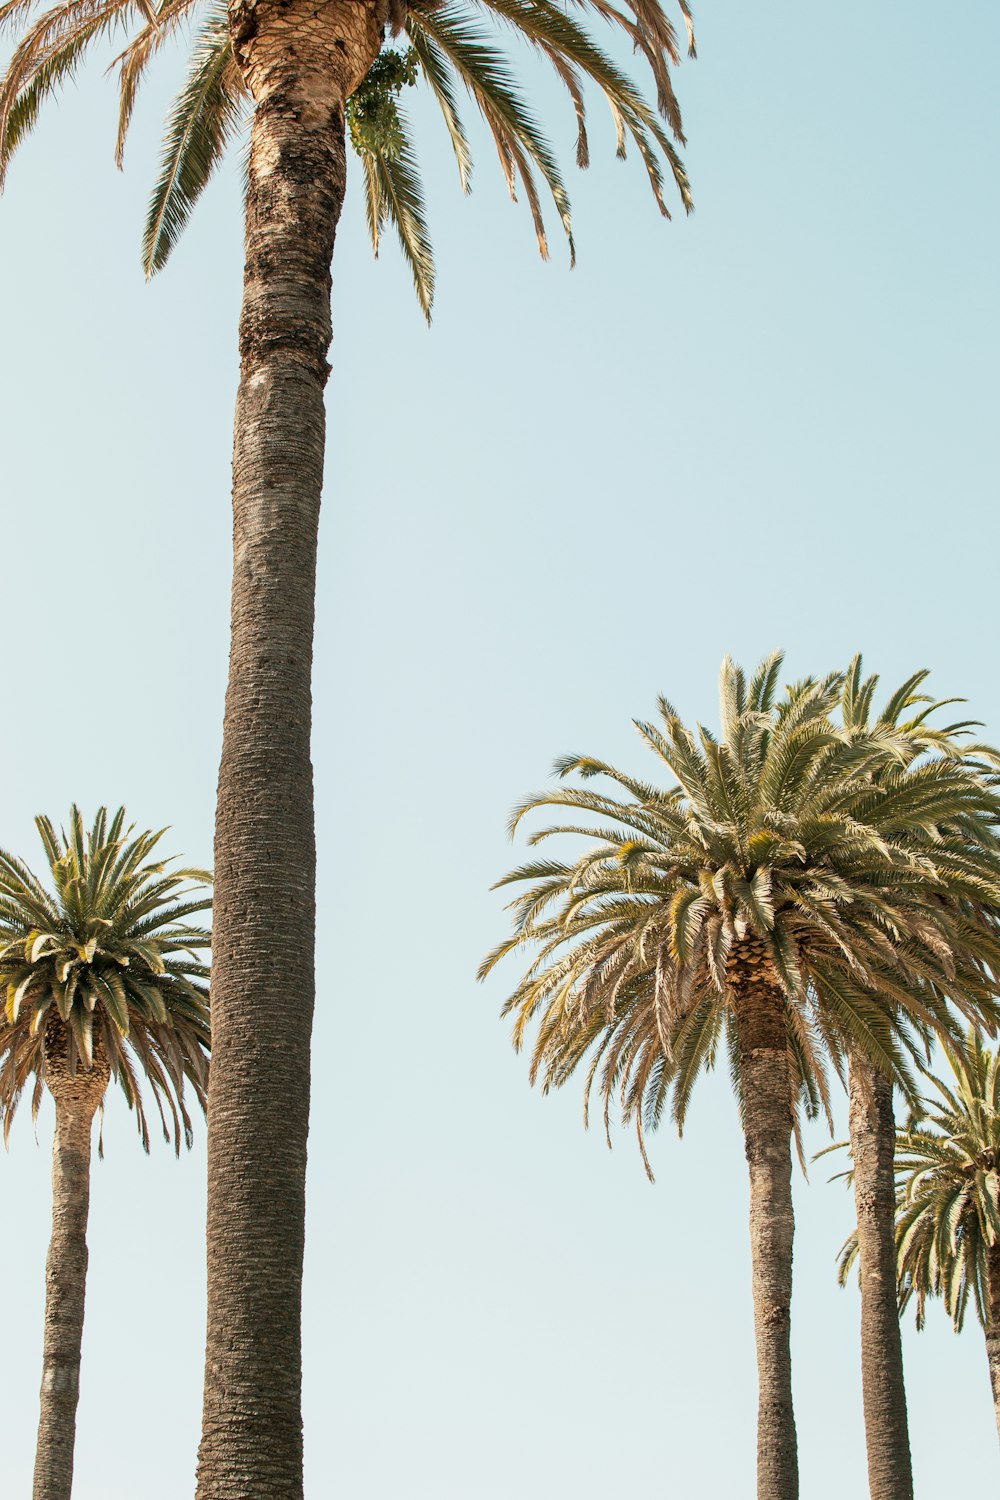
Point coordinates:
[(873, 1145), (767, 1110), (77, 1099), (301, 62), (993, 1325)]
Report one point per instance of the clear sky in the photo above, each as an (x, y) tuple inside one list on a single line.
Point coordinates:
[(771, 424)]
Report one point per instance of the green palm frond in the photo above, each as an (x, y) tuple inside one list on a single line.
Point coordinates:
[(106, 962), (856, 853), (381, 138), (46, 57), (132, 63), (395, 193), (438, 77), (205, 117), (573, 54), (489, 79)]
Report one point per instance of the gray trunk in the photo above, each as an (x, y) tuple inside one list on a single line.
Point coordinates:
[(873, 1145), (65, 1293), (300, 63), (768, 1128)]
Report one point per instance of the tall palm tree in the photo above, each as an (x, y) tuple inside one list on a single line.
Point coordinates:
[(767, 902), (908, 713), (947, 1207), (104, 981), (302, 75)]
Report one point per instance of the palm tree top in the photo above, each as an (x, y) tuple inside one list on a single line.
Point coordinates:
[(851, 857), (452, 45), (105, 969)]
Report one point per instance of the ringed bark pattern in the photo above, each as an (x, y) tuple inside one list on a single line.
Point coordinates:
[(767, 1112), (873, 1143), (77, 1097), (300, 62)]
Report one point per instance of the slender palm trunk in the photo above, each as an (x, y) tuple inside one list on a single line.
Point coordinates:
[(873, 1145), (767, 1113), (993, 1325), (65, 1292), (301, 62)]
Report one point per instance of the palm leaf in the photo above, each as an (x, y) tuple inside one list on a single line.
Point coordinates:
[(393, 193), (207, 114), (18, 118), (487, 76), (435, 71), (135, 59)]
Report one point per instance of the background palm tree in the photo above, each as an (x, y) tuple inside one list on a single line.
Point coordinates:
[(947, 1239), (103, 981), (764, 903), (922, 745), (295, 67)]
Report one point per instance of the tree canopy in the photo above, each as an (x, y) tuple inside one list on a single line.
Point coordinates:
[(108, 960)]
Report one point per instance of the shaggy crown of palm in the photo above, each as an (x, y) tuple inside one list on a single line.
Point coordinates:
[(103, 974), (451, 47), (851, 867)]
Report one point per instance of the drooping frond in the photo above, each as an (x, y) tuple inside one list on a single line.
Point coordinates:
[(574, 56), (486, 74), (135, 59), (394, 193), (439, 79), (381, 137), (47, 56), (206, 115)]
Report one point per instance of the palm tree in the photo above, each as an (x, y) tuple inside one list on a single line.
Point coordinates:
[(103, 981), (767, 902), (303, 75), (947, 1206), (907, 713)]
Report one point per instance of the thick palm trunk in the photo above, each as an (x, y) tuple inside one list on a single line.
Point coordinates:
[(993, 1325), (767, 1112), (873, 1145), (301, 62), (65, 1293)]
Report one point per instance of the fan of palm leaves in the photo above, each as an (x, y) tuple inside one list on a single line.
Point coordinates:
[(106, 965), (861, 867), (450, 44), (948, 1189)]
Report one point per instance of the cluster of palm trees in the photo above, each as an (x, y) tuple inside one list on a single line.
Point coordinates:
[(814, 892), (816, 895)]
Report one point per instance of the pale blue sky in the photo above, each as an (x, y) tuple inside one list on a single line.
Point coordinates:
[(773, 423)]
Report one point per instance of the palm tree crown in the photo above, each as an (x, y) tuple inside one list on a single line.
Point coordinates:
[(449, 44), (854, 864), (104, 973)]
